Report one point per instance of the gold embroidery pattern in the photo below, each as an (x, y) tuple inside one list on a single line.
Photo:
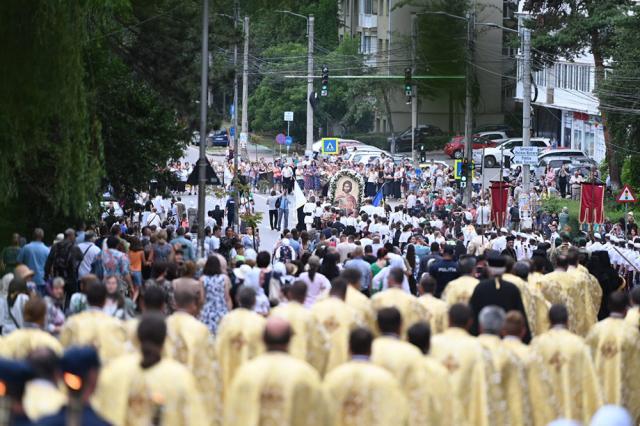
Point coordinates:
[(557, 361), (451, 364), (238, 341), (271, 406), (609, 349), (351, 408), (331, 324)]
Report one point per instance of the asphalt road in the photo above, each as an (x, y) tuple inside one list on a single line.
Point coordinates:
[(268, 238)]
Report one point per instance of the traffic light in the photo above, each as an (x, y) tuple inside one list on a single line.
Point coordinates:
[(408, 89), (423, 154), (465, 167), (325, 81)]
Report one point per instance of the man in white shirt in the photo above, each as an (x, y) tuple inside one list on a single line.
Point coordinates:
[(483, 216), (89, 253), (154, 218), (411, 200), (345, 247)]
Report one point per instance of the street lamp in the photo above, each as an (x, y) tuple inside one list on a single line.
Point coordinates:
[(310, 21)]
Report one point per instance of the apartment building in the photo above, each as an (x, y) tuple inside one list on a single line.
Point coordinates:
[(384, 32)]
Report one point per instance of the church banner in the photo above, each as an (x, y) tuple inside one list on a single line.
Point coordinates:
[(499, 198), (591, 203)]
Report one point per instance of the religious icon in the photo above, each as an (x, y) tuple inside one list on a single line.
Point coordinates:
[(346, 191)]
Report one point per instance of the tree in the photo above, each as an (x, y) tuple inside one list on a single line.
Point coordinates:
[(50, 145), (570, 28)]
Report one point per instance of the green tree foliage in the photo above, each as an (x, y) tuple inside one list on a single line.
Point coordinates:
[(571, 27), (620, 96), (50, 147)]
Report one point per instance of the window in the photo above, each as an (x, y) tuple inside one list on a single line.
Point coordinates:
[(367, 44), (368, 7), (539, 143)]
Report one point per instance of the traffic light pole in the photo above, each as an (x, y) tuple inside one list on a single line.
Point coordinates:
[(309, 148), (202, 163), (468, 111)]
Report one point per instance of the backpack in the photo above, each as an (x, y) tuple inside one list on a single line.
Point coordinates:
[(62, 259), (278, 202), (96, 267), (286, 254)]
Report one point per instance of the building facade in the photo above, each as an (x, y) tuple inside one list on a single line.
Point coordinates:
[(384, 32)]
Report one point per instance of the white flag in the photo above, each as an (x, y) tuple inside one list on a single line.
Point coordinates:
[(300, 199)]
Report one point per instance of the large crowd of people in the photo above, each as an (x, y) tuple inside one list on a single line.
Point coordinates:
[(413, 309)]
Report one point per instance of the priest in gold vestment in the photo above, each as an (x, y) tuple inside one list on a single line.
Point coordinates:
[(276, 388), (461, 289), (509, 371), (535, 305), (410, 309), (22, 341), (239, 337), (575, 390), (143, 389), (359, 392), (431, 402), (633, 313), (356, 299), (190, 342), (615, 348), (469, 366), (338, 320), (395, 355), (95, 328), (437, 310), (309, 341)]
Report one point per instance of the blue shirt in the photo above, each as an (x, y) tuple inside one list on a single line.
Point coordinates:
[(35, 255), (284, 203), (365, 270), (188, 250)]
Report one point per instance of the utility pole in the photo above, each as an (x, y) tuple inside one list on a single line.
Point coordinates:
[(245, 89), (414, 94), (468, 111), (236, 151), (309, 148), (202, 167), (526, 102)]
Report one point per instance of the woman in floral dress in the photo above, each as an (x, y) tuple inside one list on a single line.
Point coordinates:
[(217, 299)]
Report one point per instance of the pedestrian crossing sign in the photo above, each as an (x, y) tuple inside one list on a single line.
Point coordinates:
[(626, 196), (330, 146)]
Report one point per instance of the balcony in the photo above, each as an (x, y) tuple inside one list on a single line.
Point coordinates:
[(366, 20)]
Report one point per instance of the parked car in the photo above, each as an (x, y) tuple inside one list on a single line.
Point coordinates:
[(422, 131), (496, 128), (219, 138), (493, 157), (556, 158), (455, 148)]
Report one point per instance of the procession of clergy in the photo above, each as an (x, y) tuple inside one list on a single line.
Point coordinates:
[(499, 351)]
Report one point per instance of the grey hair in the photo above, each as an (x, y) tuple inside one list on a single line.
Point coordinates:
[(491, 319)]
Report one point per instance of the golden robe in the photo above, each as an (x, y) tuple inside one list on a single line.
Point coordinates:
[(592, 295), (362, 393), (190, 343), (276, 389), (569, 289), (535, 305), (21, 342), (633, 316), (509, 385), (41, 399), (362, 304), (615, 348), (438, 312), (460, 290), (470, 369), (338, 320), (411, 310), (128, 395), (398, 357), (94, 327), (309, 341), (430, 402), (575, 392), (536, 382), (238, 340)]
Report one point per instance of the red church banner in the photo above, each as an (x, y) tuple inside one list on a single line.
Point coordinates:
[(591, 203), (499, 198)]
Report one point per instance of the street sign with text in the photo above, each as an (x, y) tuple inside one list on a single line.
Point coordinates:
[(525, 155), (288, 116)]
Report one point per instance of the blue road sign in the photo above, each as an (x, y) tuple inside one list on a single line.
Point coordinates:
[(281, 138), (232, 110), (288, 140), (232, 131), (330, 146)]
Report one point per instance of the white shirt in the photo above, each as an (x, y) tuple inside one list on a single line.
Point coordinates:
[(92, 251)]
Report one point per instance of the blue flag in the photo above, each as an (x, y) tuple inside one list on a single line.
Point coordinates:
[(378, 198)]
